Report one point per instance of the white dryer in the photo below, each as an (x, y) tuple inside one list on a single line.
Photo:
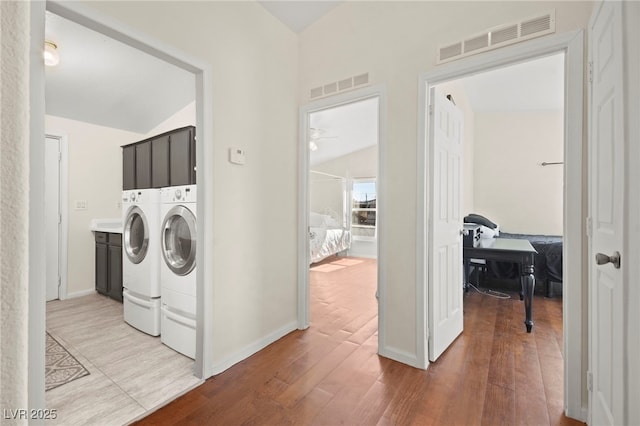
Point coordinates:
[(178, 268), (141, 259)]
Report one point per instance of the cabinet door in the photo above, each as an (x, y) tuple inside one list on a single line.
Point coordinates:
[(193, 157), (180, 167), (160, 162), (115, 272), (102, 269), (143, 165), (128, 167)]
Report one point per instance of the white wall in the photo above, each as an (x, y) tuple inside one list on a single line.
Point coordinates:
[(185, 117), (511, 188), (95, 176), (254, 60), (394, 42)]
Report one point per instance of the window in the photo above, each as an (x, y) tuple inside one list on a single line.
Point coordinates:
[(363, 208)]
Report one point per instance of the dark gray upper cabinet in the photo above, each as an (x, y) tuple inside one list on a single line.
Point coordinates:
[(160, 162), (129, 167), (143, 165), (165, 160), (180, 162)]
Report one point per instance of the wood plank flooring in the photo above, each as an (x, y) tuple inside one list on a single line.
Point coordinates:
[(131, 372), (494, 373)]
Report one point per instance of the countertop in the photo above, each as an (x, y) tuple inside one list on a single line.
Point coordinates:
[(106, 225)]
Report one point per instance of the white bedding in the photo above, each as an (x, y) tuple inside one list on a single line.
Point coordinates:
[(325, 242)]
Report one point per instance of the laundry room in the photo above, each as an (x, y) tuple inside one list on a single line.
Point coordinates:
[(111, 119)]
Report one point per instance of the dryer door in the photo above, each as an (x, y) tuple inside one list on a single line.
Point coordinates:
[(135, 235), (179, 240)]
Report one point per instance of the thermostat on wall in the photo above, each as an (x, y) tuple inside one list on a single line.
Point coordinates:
[(236, 156)]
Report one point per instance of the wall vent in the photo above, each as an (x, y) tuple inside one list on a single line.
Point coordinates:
[(339, 86), (498, 37)]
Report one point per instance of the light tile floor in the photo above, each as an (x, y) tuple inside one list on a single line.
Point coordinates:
[(131, 373)]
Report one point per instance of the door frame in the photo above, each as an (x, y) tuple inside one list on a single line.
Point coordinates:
[(574, 300), (303, 198), (90, 18), (63, 194)]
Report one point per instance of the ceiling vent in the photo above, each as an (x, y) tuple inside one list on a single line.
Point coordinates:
[(340, 86), (503, 35)]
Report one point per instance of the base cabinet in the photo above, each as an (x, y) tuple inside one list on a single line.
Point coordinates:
[(109, 264)]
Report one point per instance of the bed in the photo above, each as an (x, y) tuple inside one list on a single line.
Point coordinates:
[(326, 237), (548, 261)]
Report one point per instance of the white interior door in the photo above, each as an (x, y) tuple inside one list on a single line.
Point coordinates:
[(606, 190), (52, 216), (445, 250)]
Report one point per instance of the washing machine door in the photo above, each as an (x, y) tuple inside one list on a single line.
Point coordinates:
[(135, 235), (179, 240)]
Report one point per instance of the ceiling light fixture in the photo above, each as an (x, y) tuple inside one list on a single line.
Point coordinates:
[(51, 56)]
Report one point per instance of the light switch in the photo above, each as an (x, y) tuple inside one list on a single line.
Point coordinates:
[(81, 204), (236, 156)]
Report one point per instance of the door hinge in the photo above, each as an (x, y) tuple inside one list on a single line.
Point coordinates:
[(590, 71), (588, 225), (59, 157), (589, 381), (59, 282), (59, 218), (431, 109)]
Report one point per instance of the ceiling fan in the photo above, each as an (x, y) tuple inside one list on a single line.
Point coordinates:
[(316, 135)]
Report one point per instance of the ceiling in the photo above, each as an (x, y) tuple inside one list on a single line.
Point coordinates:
[(298, 15), (102, 81), (531, 85), (344, 129)]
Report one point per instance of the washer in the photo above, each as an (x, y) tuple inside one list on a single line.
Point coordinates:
[(178, 268), (141, 259)]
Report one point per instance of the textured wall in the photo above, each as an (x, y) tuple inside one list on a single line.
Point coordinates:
[(14, 192)]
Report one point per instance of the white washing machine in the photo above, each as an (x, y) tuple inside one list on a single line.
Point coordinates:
[(178, 268), (141, 259)]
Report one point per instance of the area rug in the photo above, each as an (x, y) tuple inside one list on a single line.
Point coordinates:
[(60, 366)]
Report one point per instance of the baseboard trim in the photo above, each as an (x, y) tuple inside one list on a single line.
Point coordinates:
[(400, 356), (254, 347), (78, 294)]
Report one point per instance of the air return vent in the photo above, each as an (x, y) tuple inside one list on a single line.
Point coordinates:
[(499, 36), (340, 86)]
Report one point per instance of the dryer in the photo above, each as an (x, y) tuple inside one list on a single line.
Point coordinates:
[(141, 259), (178, 268)]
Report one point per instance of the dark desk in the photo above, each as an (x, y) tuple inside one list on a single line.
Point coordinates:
[(507, 250)]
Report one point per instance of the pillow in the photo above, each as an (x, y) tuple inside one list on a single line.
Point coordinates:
[(316, 220), (480, 220)]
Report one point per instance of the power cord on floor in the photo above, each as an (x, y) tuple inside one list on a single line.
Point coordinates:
[(492, 293)]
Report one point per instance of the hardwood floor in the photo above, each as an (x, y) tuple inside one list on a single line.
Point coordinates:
[(131, 372), (494, 373)]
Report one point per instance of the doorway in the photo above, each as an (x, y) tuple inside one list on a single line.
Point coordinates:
[(573, 222), (202, 72), (56, 216), (342, 141)]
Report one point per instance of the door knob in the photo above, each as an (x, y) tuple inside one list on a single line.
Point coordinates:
[(602, 259), (464, 232)]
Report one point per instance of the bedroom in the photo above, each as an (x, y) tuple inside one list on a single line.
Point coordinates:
[(512, 170), (343, 243)]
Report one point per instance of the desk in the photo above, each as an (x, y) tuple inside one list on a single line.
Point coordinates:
[(507, 250)]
